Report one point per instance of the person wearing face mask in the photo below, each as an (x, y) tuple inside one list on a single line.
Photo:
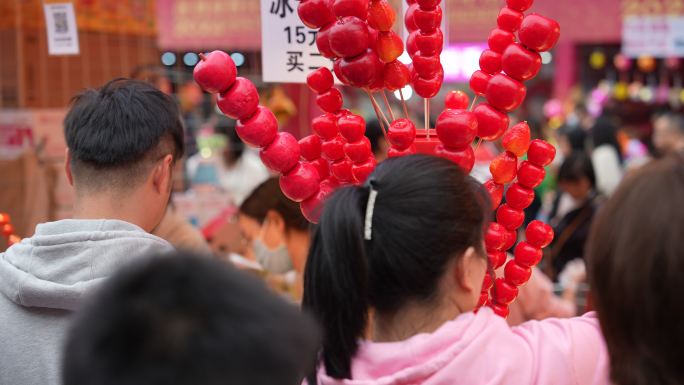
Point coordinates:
[(275, 229)]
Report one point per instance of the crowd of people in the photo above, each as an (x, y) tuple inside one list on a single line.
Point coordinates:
[(382, 291)]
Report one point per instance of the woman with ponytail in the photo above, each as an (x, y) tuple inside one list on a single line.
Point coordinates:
[(393, 275)]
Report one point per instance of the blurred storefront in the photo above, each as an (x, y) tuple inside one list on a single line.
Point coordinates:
[(116, 39)]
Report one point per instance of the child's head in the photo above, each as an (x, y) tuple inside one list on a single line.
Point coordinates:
[(123, 140), (636, 265), (182, 320), (274, 227), (576, 176), (420, 243)]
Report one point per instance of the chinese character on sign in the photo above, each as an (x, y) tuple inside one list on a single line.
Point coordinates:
[(281, 8), (293, 62)]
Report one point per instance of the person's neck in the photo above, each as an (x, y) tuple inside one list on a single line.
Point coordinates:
[(413, 319), (106, 207), (298, 247)]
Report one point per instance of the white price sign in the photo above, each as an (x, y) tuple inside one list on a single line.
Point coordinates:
[(288, 47), (61, 27), (659, 36)]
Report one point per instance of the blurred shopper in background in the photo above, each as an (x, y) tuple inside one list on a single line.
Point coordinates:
[(573, 211), (668, 133), (237, 169), (606, 156)]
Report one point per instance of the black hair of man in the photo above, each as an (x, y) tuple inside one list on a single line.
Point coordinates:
[(117, 132), (187, 320)]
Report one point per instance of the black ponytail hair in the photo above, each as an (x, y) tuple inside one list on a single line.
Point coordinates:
[(426, 213)]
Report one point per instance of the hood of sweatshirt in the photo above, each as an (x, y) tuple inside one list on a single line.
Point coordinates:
[(65, 260)]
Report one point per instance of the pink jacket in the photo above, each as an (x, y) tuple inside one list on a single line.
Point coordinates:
[(481, 348)]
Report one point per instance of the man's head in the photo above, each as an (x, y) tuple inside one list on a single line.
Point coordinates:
[(184, 320), (122, 142), (668, 133)]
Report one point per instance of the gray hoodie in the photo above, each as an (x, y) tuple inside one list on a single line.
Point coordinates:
[(45, 278)]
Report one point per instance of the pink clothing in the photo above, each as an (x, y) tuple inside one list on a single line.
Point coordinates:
[(481, 348), (536, 300)]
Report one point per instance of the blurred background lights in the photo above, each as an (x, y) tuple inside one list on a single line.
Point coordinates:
[(190, 59), (407, 91), (168, 58), (238, 58)]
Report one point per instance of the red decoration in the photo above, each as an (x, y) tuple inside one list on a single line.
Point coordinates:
[(491, 123), (503, 292), (516, 274), (389, 46), (530, 175), (358, 8), (300, 183), (517, 139), (282, 154), (323, 42), (401, 134), (359, 152), (315, 13), (527, 254), (465, 158), (504, 167), (541, 153), (519, 197), (490, 62), (499, 39), (519, 5), (215, 72), (330, 101), (456, 129), (358, 35), (260, 129), (381, 15), (352, 127), (428, 19), (520, 63), (495, 237), (539, 33), (320, 80), (496, 258), (310, 147), (509, 19), (479, 81), (240, 101), (349, 37), (495, 192), (509, 217), (505, 93), (456, 100), (333, 149), (539, 234), (325, 126)]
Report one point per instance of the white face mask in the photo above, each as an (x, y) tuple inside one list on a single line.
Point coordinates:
[(277, 260)]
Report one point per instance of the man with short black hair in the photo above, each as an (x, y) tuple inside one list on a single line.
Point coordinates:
[(185, 320), (123, 140)]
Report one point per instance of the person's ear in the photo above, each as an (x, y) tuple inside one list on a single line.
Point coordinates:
[(469, 271), (67, 167), (162, 178)]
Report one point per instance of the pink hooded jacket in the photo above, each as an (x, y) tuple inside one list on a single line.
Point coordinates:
[(481, 348)]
